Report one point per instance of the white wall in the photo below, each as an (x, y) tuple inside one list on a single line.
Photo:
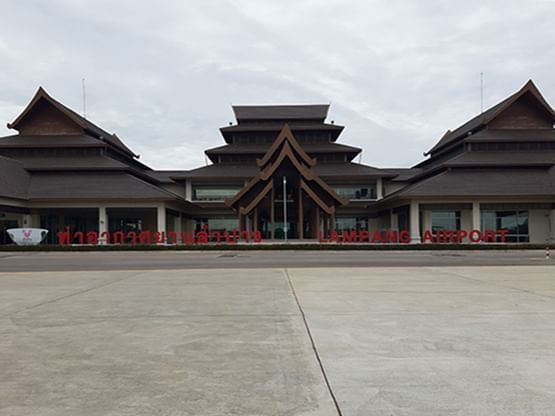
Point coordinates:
[(177, 189), (538, 223), (390, 187)]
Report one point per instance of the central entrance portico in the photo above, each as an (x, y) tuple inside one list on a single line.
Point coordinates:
[(286, 187)]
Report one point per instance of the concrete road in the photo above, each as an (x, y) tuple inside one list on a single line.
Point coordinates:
[(266, 341), (167, 260)]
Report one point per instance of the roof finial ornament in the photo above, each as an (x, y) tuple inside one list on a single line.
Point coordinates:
[(84, 99), (481, 92)]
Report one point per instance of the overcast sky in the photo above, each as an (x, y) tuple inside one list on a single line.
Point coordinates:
[(163, 75)]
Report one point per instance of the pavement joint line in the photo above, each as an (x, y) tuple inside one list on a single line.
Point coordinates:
[(69, 295), (313, 343), (485, 283), (229, 267)]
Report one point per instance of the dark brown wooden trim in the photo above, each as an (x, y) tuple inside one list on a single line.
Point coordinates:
[(259, 197), (301, 208), (286, 135), (318, 225), (273, 213), (316, 198)]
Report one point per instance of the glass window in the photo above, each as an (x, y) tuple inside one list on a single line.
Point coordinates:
[(351, 224), (446, 221), (516, 222), (213, 194), (356, 192), (217, 224)]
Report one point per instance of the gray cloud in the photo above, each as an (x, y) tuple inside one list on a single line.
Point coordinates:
[(163, 75)]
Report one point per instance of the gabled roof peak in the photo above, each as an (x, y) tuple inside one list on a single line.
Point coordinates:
[(76, 118), (491, 113), (285, 137)]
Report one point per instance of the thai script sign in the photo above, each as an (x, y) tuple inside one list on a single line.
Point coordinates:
[(205, 236), (158, 237)]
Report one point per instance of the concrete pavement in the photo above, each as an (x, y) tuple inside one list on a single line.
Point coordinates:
[(168, 260), (391, 341)]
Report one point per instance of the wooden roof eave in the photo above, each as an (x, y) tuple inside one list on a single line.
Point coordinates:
[(267, 172), (330, 190), (256, 201), (316, 198)]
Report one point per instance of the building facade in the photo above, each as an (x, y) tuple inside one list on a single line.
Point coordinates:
[(283, 173)]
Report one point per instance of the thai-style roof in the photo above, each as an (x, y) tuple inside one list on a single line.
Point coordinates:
[(483, 182), (483, 119), (275, 127), (71, 163), (88, 127), (14, 179), (347, 170), (260, 149), (94, 185), (402, 174), (515, 135), (51, 141), (285, 148), (502, 158), (281, 112)]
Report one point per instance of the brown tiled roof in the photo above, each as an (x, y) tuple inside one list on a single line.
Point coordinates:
[(71, 163), (402, 174), (220, 170), (85, 124), (488, 115), (20, 141), (483, 182), (97, 185), (513, 135), (14, 179), (281, 112), (165, 176), (348, 169), (285, 148), (502, 158), (278, 126), (248, 170), (262, 148)]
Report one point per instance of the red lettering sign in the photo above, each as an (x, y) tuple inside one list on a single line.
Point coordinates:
[(147, 237)]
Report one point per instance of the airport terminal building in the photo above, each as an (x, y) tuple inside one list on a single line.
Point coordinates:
[(283, 170)]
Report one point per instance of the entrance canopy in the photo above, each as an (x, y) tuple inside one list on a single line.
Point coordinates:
[(286, 180)]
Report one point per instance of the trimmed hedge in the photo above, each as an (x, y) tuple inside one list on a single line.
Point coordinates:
[(278, 246)]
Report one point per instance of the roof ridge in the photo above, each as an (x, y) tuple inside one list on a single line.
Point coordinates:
[(487, 116), (81, 121)]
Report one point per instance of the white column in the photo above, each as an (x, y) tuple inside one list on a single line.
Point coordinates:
[(35, 220), (414, 223), (178, 228), (476, 225), (247, 223), (188, 190), (27, 221), (427, 220), (161, 218), (102, 224), (393, 220), (552, 226), (379, 188)]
